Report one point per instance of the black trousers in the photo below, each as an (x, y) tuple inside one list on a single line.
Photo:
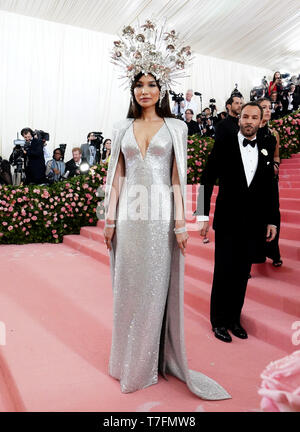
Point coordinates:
[(233, 257)]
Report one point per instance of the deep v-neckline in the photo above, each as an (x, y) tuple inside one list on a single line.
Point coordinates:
[(139, 148)]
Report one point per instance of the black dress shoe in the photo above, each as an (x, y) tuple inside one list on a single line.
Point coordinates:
[(238, 331), (222, 334)]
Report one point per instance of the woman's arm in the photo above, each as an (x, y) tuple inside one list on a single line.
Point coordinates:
[(116, 188), (179, 209), (272, 86)]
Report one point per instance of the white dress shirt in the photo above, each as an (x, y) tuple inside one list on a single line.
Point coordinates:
[(249, 156), (187, 105)]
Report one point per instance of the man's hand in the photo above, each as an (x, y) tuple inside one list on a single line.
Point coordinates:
[(271, 232), (203, 228)]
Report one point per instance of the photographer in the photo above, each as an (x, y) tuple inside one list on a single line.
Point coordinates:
[(91, 150), (276, 84), (290, 101), (34, 157), (185, 104), (276, 106), (55, 168)]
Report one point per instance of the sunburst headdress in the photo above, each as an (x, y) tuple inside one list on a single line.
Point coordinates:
[(151, 49)]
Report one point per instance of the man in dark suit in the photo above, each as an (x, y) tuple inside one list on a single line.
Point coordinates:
[(229, 127), (77, 165), (193, 127), (290, 101), (245, 213), (34, 156), (90, 151)]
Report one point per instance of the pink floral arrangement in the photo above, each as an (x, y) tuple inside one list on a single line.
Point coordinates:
[(280, 387), (288, 129)]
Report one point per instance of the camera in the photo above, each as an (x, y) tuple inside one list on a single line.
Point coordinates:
[(41, 135), (177, 97), (212, 105)]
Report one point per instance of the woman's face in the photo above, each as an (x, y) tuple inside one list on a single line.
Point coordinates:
[(108, 145), (57, 155), (146, 91), (266, 106), (277, 75)]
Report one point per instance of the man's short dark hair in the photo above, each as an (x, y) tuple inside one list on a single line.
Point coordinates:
[(26, 130), (189, 109), (230, 100), (254, 104)]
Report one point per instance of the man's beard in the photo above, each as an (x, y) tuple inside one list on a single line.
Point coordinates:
[(249, 131)]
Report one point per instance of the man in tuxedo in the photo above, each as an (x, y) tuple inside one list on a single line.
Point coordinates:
[(245, 213), (229, 127), (34, 158), (77, 165)]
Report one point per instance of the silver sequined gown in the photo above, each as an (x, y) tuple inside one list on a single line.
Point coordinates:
[(147, 334), (142, 260)]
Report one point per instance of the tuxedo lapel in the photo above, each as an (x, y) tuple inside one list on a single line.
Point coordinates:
[(238, 162), (260, 165)]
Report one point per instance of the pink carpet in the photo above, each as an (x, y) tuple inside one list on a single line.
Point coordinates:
[(56, 303)]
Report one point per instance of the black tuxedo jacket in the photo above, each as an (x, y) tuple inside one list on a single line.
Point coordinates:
[(239, 208), (35, 169), (72, 167), (227, 128)]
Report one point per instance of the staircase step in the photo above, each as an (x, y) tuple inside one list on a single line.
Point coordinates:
[(59, 336), (289, 248), (285, 203), (290, 184), (88, 246), (261, 321), (296, 156)]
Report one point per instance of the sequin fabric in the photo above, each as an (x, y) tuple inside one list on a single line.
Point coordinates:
[(147, 268), (142, 261)]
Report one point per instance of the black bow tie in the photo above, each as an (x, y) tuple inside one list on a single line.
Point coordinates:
[(246, 142)]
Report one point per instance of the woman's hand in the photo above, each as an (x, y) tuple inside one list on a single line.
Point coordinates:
[(182, 241), (108, 236)]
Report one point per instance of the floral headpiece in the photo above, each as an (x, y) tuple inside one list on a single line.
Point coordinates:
[(151, 49)]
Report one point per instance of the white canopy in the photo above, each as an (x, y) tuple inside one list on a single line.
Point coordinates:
[(263, 33)]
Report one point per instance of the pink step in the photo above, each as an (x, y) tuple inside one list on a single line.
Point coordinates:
[(289, 184), (260, 320), (288, 248), (290, 171), (87, 246), (296, 156), (290, 231)]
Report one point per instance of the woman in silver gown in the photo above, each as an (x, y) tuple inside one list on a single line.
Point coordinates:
[(145, 199)]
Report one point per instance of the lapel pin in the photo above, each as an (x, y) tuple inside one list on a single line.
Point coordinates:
[(264, 152)]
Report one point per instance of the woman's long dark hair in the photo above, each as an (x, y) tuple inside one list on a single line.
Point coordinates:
[(135, 110), (275, 74)]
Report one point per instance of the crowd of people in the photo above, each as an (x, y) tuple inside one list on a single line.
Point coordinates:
[(32, 164)]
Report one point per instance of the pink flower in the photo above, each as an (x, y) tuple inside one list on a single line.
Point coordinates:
[(55, 236), (4, 223), (280, 388), (10, 209), (34, 218), (90, 220), (10, 228)]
